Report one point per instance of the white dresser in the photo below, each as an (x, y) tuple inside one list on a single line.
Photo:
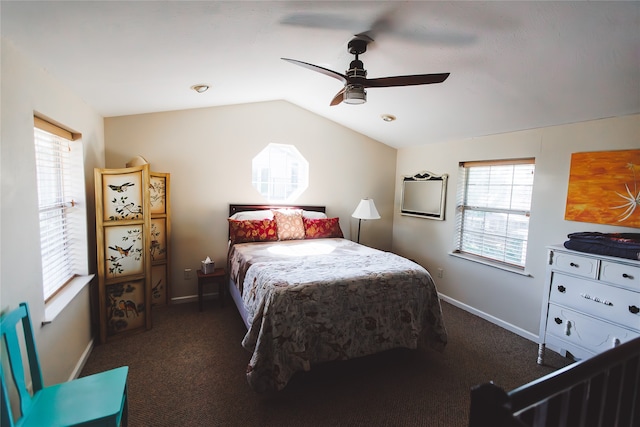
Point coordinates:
[(591, 303)]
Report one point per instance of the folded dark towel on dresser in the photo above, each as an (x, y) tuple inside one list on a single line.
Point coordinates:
[(622, 245)]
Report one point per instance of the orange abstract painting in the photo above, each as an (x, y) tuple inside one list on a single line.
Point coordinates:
[(604, 188)]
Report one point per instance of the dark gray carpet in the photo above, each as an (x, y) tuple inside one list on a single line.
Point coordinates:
[(189, 370)]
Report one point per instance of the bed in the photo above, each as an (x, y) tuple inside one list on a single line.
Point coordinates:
[(320, 297)]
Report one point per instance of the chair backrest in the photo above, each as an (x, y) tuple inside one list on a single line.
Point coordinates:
[(11, 328)]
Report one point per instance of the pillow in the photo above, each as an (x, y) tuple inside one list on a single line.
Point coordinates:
[(322, 228), (252, 215), (262, 230), (313, 214), (289, 224)]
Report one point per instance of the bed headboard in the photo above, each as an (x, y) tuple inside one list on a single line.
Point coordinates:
[(234, 208)]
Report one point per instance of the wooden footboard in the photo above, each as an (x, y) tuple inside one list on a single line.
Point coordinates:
[(601, 391)]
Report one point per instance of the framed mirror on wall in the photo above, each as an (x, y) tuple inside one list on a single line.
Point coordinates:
[(423, 195)]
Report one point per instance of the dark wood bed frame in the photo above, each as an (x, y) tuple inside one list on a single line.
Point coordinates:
[(601, 391), (235, 208)]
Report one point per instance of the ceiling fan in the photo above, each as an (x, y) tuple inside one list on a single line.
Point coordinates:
[(355, 78)]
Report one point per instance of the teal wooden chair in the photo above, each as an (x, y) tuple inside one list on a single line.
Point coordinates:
[(96, 400)]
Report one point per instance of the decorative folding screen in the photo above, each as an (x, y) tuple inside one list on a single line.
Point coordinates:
[(123, 223)]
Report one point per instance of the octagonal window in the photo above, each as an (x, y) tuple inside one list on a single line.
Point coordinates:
[(280, 173)]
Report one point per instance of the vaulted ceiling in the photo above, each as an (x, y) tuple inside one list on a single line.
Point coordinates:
[(514, 65)]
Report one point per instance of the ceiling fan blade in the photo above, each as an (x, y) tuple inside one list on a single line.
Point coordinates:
[(384, 23), (418, 79), (388, 23), (322, 20), (325, 71), (338, 98)]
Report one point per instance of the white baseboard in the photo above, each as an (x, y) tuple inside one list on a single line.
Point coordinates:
[(83, 360), (192, 298), (508, 326), (184, 299)]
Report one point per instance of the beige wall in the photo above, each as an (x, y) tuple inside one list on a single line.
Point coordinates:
[(26, 89), (510, 299), (208, 153)]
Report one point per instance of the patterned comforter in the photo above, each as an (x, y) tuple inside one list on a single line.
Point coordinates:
[(311, 301)]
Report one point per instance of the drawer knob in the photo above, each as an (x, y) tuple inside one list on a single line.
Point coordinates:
[(627, 276), (558, 320), (634, 309), (562, 289), (573, 264)]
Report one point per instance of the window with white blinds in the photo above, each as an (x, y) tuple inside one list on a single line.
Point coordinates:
[(493, 209), (60, 177)]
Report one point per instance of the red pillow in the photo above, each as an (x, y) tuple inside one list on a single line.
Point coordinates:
[(262, 230), (321, 228)]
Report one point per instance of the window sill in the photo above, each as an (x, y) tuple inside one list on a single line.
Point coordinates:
[(490, 264), (55, 306)]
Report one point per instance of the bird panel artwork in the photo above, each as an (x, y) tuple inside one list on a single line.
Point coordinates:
[(126, 308), (123, 250), (157, 194), (158, 244), (122, 195), (159, 285)]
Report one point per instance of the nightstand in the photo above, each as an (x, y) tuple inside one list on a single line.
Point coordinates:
[(218, 276)]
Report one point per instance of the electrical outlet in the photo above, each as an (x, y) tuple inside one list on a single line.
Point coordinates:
[(188, 274), (440, 273)]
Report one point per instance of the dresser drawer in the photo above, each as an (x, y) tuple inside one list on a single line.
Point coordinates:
[(620, 274), (597, 299), (584, 331), (575, 264)]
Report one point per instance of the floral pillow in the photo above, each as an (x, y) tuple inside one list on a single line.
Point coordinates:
[(289, 224), (263, 230), (322, 228)]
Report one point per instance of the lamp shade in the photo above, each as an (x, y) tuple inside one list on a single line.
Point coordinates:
[(366, 210)]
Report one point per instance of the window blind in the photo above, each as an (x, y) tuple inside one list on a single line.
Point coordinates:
[(493, 209), (55, 202)]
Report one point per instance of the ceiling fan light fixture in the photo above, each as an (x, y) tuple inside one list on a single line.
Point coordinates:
[(355, 94), (200, 88)]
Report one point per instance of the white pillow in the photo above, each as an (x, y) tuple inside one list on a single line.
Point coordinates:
[(252, 215), (314, 215)]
